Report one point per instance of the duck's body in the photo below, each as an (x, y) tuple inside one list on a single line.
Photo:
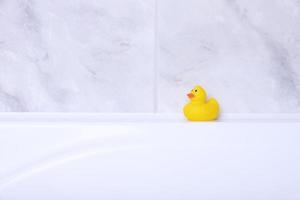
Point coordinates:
[(198, 109)]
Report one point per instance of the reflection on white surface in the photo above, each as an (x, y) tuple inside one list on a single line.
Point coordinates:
[(151, 160), (44, 165)]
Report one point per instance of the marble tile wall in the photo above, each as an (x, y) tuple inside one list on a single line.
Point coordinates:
[(76, 55), (245, 53), (144, 55)]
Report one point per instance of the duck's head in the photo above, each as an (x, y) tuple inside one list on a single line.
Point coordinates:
[(197, 94)]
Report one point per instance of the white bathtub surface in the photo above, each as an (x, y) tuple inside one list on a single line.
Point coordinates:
[(135, 157)]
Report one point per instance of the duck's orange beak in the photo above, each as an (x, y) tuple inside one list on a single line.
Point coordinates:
[(190, 95)]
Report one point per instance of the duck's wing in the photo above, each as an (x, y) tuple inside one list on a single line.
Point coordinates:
[(212, 108)]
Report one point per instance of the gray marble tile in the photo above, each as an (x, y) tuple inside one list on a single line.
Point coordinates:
[(76, 55), (99, 56), (245, 53)]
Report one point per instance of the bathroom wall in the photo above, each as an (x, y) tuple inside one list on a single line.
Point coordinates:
[(76, 55), (145, 55)]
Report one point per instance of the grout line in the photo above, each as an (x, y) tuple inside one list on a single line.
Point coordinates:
[(155, 61)]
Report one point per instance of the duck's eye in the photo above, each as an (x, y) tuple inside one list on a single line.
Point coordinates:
[(195, 90)]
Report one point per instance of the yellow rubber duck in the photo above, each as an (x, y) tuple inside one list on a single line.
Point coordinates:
[(200, 109)]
